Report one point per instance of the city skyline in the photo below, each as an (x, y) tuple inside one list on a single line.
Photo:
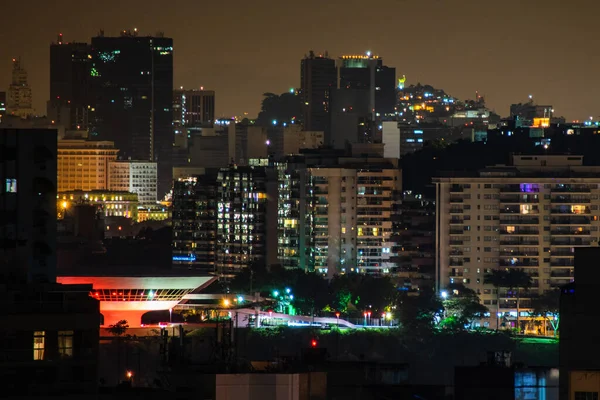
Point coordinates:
[(479, 44)]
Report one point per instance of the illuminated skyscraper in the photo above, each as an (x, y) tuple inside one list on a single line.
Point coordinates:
[(19, 100), (132, 79)]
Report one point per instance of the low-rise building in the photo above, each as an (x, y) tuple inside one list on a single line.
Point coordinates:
[(138, 177)]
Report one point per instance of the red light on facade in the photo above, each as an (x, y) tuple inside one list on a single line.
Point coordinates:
[(313, 343)]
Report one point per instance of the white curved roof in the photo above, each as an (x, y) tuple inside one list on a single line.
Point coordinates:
[(135, 282)]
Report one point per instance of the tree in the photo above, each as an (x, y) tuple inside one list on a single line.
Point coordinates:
[(497, 279), (280, 108), (517, 279), (461, 307), (547, 307), (417, 313), (119, 329)]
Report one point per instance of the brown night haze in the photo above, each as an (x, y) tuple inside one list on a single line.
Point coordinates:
[(504, 49)]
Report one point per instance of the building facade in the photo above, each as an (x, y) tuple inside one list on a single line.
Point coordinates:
[(84, 165), (246, 218), (352, 208), (19, 99), (138, 177), (28, 203), (193, 108), (318, 77), (294, 217), (70, 101), (195, 223), (132, 80), (530, 215)]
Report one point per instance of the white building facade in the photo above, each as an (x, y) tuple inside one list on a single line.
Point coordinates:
[(138, 177), (529, 215)]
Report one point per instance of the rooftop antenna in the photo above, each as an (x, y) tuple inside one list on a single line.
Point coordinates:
[(60, 38)]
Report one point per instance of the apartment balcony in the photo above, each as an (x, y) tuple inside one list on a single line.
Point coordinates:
[(520, 221), (521, 189), (570, 220), (562, 253), (456, 221), (518, 199), (456, 253), (562, 274), (523, 242), (562, 262), (456, 189), (570, 189), (561, 199), (570, 241), (570, 232), (519, 264), (455, 199), (456, 242), (518, 253), (456, 231), (456, 211), (569, 210), (455, 263), (453, 274), (523, 231)]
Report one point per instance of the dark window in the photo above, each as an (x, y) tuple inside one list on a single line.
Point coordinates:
[(586, 395)]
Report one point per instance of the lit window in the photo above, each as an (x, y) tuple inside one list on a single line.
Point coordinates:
[(510, 229), (11, 186), (578, 209), (65, 343), (38, 345)]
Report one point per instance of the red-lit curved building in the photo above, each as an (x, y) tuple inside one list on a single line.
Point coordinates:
[(128, 298)]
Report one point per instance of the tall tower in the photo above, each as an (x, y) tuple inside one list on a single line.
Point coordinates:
[(70, 101), (317, 78), (132, 80), (19, 100)]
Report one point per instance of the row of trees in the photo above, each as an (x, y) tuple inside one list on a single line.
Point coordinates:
[(353, 294)]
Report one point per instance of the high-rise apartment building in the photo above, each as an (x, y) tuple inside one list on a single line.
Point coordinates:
[(195, 223), (294, 217), (352, 207), (318, 76), (414, 240), (28, 204), (132, 80), (84, 164), (193, 108), (246, 218), (19, 101), (138, 177), (71, 104), (531, 214)]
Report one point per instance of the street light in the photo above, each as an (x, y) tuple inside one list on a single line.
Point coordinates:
[(444, 295), (226, 302)]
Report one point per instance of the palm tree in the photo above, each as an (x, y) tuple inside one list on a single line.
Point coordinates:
[(517, 278), (496, 278)]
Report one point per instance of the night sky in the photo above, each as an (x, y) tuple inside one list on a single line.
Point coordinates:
[(506, 49)]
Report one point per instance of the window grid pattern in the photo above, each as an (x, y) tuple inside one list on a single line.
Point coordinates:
[(139, 294)]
